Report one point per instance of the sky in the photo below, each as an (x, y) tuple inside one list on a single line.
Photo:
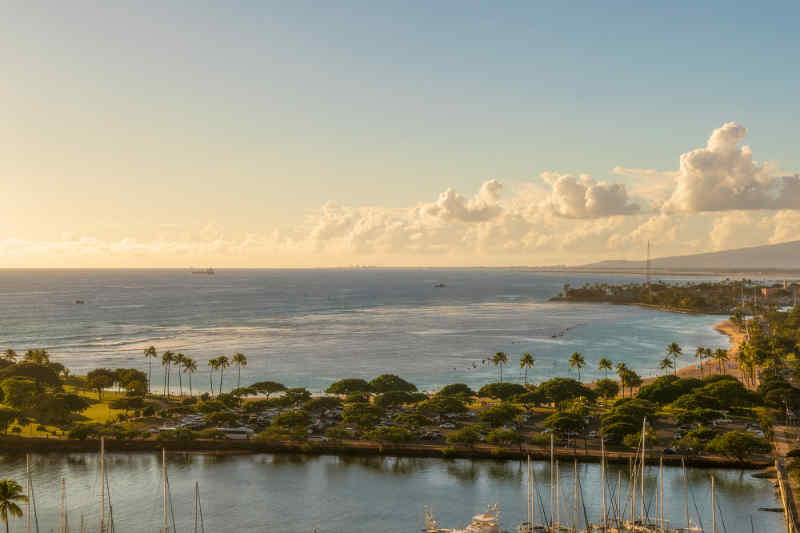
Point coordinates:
[(330, 134)]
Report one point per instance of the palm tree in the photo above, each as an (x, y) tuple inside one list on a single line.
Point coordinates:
[(178, 360), (213, 365), (239, 360), (10, 355), (674, 350), (605, 365), (10, 494), (527, 361), (700, 354), (621, 369), (223, 363), (166, 360), (576, 360), (720, 356), (189, 366), (150, 354), (666, 364), (499, 359)]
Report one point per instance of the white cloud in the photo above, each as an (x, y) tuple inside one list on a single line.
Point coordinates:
[(583, 197), (723, 176), (453, 206)]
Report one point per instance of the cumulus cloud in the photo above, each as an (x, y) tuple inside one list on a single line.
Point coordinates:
[(583, 197), (453, 206), (723, 176)]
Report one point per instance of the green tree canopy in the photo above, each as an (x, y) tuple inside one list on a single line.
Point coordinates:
[(348, 385), (456, 389), (20, 393), (391, 383), (560, 390), (739, 444), (99, 379), (266, 388), (363, 415), (501, 391), (563, 422), (607, 388), (500, 415), (322, 403), (40, 374)]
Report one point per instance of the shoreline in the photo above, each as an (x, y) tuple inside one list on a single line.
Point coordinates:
[(21, 445)]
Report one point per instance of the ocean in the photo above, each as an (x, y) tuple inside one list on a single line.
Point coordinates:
[(308, 328)]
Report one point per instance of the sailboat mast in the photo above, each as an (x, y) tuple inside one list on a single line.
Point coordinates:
[(558, 494), (686, 491), (28, 493), (713, 507), (164, 488), (196, 503), (661, 491), (644, 447), (552, 484), (102, 485), (603, 479), (575, 496), (65, 521), (619, 499)]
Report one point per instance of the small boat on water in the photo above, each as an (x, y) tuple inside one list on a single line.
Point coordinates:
[(209, 271), (487, 522)]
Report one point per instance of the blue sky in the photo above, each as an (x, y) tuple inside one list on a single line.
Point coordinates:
[(249, 116)]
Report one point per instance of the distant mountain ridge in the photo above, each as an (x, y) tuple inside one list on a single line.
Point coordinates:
[(783, 256)]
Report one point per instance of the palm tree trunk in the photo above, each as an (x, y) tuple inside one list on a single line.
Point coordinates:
[(190, 387), (149, 373), (239, 378), (6, 525), (221, 373), (211, 382), (180, 382)]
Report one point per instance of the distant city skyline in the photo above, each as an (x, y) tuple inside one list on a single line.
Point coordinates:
[(310, 134)]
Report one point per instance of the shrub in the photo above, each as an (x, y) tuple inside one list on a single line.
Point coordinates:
[(337, 433), (468, 435), (389, 434), (504, 437)]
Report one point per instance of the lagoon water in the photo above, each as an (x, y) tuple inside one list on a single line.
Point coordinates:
[(295, 493), (311, 327)]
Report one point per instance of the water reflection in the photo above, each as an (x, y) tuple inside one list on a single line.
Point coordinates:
[(355, 494)]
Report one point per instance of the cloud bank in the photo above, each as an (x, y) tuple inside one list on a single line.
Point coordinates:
[(718, 198), (723, 176)]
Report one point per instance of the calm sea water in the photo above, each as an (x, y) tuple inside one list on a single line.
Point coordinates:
[(312, 327), (296, 493)]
